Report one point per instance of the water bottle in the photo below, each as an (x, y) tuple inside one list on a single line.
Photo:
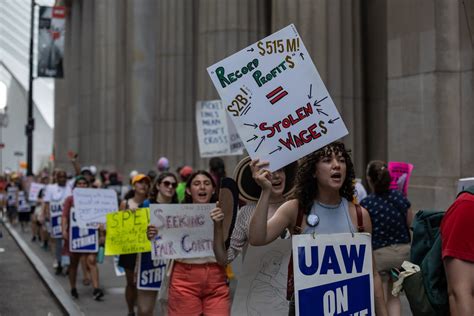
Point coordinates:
[(101, 254)]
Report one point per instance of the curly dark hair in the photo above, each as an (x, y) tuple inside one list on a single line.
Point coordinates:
[(306, 189), (188, 198), (154, 190)]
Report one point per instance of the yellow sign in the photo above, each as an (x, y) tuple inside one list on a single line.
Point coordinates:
[(126, 232)]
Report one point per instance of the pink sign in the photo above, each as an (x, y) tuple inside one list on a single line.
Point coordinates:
[(400, 173)]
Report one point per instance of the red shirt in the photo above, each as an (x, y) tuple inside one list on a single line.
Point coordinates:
[(457, 229)]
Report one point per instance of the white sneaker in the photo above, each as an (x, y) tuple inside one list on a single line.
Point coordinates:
[(55, 264)]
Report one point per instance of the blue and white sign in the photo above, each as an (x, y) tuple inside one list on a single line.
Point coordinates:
[(55, 213), (23, 205), (82, 239), (150, 272), (333, 274)]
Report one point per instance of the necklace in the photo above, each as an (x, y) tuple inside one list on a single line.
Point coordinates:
[(329, 206), (313, 219)]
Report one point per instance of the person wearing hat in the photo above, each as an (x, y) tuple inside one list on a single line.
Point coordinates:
[(184, 174), (162, 192), (250, 192), (138, 199), (162, 164)]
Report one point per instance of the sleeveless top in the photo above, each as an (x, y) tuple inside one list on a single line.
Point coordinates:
[(333, 219)]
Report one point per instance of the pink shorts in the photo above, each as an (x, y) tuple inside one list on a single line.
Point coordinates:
[(197, 289)]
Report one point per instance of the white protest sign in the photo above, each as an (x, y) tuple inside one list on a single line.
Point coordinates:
[(262, 280), (216, 134), (91, 206), (333, 274), (277, 100), (35, 189), (184, 231), (465, 183)]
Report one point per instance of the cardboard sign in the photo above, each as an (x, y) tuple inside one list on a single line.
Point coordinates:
[(82, 239), (23, 205), (262, 280), (216, 133), (55, 213), (150, 272), (400, 173), (184, 231), (277, 100), (333, 274), (11, 196), (92, 205), (35, 189), (126, 232), (465, 183)]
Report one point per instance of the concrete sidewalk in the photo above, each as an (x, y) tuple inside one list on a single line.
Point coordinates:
[(113, 303)]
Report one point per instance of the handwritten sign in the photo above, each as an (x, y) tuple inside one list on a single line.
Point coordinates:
[(35, 189), (55, 214), (126, 232), (400, 173), (150, 272), (216, 133), (277, 100), (184, 230), (262, 280), (92, 205), (333, 274), (82, 239)]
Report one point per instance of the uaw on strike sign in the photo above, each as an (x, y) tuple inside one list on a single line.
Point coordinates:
[(277, 100), (333, 274)]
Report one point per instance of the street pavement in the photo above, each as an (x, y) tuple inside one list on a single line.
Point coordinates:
[(113, 303), (20, 284), (22, 291)]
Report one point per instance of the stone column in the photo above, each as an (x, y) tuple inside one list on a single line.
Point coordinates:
[(223, 29), (140, 75), (429, 98), (331, 31), (174, 129)]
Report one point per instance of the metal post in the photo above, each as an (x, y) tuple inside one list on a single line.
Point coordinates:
[(30, 125)]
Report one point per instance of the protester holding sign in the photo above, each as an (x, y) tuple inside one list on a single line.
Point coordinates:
[(141, 186), (391, 216), (163, 192), (75, 257), (52, 207), (323, 188), (13, 187), (199, 285), (282, 180)]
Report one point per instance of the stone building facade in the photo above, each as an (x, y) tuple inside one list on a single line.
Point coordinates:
[(399, 71)]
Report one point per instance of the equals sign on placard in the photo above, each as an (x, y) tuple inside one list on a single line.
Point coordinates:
[(276, 95)]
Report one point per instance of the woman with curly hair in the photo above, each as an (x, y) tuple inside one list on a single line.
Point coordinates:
[(324, 189)]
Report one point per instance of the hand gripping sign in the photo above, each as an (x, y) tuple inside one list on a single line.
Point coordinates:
[(333, 274), (184, 231), (277, 100)]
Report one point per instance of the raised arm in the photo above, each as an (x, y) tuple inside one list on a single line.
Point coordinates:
[(218, 244), (263, 232)]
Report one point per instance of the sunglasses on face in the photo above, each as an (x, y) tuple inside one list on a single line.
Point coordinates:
[(168, 183)]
